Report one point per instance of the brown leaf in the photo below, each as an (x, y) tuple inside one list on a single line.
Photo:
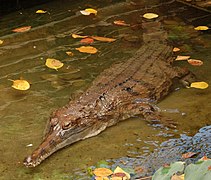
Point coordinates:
[(176, 177), (188, 155), (22, 29), (176, 49), (195, 62), (78, 36), (69, 53), (121, 23), (87, 40), (104, 39)]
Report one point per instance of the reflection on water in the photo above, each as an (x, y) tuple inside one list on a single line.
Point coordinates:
[(24, 114)]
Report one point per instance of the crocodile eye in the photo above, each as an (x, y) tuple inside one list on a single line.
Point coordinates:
[(66, 124), (54, 121)]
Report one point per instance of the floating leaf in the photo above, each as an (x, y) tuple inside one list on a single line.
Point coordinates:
[(121, 23), (1, 41), (188, 155), (78, 36), (199, 85), (150, 15), (195, 62), (69, 53), (175, 49), (41, 11), (22, 29), (120, 170), (182, 58), (87, 40), (87, 49), (101, 178), (104, 39), (201, 28), (20, 84), (102, 172), (88, 11), (53, 63)]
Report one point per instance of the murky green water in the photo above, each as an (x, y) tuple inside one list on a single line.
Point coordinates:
[(24, 114)]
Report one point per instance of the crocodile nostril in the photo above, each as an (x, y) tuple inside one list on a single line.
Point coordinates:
[(54, 121)]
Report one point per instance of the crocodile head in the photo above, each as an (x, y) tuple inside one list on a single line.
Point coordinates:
[(63, 131)]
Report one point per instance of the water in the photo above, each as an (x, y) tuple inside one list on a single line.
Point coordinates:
[(24, 114)]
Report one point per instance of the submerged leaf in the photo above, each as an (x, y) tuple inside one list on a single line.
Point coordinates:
[(69, 53), (104, 39), (195, 62), (201, 28), (102, 172), (87, 49), (22, 29), (87, 40), (20, 84), (1, 42), (199, 85), (40, 11), (188, 155), (175, 49), (182, 58), (150, 15), (53, 63), (121, 23), (88, 11)]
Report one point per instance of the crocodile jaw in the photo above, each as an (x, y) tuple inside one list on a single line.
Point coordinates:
[(60, 138)]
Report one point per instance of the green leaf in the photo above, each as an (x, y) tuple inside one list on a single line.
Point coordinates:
[(165, 173), (201, 171), (102, 164)]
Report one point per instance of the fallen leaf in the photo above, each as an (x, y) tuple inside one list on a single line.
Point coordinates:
[(101, 178), (88, 11), (104, 39), (29, 145), (20, 84), (121, 23), (22, 29), (182, 58), (120, 170), (41, 11), (69, 53), (201, 28), (176, 177), (78, 36), (150, 15), (87, 49), (188, 155), (119, 176), (199, 85), (53, 63), (102, 172), (87, 40), (175, 49), (1, 42), (195, 62), (204, 158)]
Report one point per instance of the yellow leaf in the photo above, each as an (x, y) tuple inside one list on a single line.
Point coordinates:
[(1, 41), (53, 63), (104, 39), (102, 172), (78, 36), (150, 15), (175, 49), (201, 28), (69, 53), (199, 85), (91, 11), (195, 62), (182, 58), (121, 23), (20, 84), (87, 49), (40, 11), (176, 177), (88, 11), (120, 170)]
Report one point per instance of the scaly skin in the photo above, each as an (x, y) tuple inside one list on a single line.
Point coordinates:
[(124, 90)]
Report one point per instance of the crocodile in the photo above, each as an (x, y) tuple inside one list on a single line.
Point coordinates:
[(124, 90)]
